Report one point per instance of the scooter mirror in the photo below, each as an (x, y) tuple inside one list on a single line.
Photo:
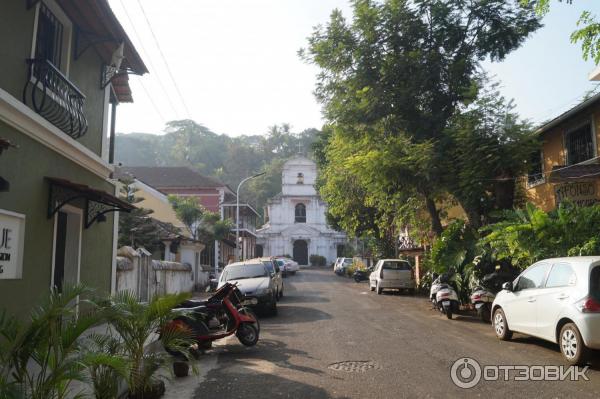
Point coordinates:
[(507, 286)]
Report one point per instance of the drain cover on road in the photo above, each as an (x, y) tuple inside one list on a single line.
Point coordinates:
[(355, 366)]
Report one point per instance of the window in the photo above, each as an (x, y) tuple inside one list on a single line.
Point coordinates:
[(561, 275), (533, 277), (580, 144), (300, 213), (536, 169), (49, 38), (396, 265), (52, 37), (300, 178)]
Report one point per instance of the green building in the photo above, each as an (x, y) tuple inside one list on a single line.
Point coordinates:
[(64, 67)]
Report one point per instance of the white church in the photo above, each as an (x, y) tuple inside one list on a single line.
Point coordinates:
[(296, 222)]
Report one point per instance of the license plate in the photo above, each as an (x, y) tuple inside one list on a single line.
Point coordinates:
[(478, 305), (446, 303)]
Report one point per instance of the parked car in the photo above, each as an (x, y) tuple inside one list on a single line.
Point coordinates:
[(283, 266), (342, 265), (335, 264), (557, 300), (254, 280), (276, 273), (293, 265), (392, 274)]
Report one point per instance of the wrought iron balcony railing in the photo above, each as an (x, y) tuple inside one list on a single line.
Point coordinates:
[(53, 96)]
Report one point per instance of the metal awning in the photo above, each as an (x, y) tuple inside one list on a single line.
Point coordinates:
[(96, 203)]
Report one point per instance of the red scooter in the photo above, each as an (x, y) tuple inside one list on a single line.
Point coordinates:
[(223, 314)]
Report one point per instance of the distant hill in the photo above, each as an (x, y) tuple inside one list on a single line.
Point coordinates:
[(186, 143)]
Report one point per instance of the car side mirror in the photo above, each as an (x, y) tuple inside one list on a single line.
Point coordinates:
[(507, 286)]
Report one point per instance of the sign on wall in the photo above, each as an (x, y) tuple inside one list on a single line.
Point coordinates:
[(12, 238), (581, 193)]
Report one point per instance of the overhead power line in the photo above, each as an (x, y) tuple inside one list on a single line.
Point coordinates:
[(164, 60), (152, 102), (147, 58)]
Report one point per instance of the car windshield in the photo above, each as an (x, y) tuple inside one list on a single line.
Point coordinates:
[(269, 266), (396, 265), (347, 261), (240, 272), (280, 262)]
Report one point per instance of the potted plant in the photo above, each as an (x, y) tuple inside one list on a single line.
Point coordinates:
[(137, 324)]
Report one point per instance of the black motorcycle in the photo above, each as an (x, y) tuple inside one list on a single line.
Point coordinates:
[(362, 274)]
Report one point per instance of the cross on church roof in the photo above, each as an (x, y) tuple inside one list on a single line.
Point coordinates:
[(299, 147)]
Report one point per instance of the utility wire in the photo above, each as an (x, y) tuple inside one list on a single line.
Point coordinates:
[(141, 43), (164, 60), (152, 102)]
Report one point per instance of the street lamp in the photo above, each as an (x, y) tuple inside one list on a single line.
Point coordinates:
[(237, 215)]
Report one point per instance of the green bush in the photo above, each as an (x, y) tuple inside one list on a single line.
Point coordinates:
[(530, 234), (318, 260)]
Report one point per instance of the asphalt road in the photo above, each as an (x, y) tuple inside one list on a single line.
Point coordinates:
[(399, 345)]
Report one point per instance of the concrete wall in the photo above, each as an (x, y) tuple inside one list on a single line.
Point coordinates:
[(16, 40), (25, 168), (163, 277)]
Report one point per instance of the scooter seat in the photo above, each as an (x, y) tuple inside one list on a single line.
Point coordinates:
[(192, 303)]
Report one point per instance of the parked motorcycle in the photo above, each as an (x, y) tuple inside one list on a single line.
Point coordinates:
[(484, 294), (223, 314), (482, 298), (443, 296), (362, 275)]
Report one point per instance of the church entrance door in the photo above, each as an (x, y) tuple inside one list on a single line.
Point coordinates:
[(301, 252)]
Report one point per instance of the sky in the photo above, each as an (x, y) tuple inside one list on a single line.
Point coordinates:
[(232, 65)]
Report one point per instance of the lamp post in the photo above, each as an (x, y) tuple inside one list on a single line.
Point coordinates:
[(237, 215)]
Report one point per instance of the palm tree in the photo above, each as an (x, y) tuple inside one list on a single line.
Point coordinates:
[(137, 325)]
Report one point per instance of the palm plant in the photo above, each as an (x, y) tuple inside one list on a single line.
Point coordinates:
[(41, 358), (137, 325), (106, 365)]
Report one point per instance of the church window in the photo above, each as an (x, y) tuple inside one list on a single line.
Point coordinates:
[(300, 213), (300, 178)]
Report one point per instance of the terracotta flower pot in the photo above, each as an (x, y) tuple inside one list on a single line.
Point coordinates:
[(181, 369)]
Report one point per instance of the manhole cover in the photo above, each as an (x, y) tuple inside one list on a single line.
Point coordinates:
[(355, 366)]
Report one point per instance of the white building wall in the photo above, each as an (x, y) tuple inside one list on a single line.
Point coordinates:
[(278, 236)]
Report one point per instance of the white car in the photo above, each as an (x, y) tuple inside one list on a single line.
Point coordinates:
[(557, 300), (342, 264), (393, 274)]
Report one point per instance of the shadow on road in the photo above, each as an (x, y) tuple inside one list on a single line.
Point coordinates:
[(303, 299), (290, 314), (259, 371)]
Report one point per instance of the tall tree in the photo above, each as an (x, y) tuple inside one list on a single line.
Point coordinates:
[(401, 69), (189, 211), (136, 228), (588, 32)]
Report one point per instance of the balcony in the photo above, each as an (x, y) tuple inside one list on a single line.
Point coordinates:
[(49, 93)]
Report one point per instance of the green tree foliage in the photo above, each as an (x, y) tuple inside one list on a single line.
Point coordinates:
[(230, 159), (136, 228), (530, 234), (486, 144), (189, 211), (588, 33), (211, 228), (392, 79)]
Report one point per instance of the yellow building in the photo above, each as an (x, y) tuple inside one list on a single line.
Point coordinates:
[(567, 166)]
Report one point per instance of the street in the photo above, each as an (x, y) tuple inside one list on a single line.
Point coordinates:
[(325, 319)]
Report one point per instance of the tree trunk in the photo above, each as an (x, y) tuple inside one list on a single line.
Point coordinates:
[(436, 223)]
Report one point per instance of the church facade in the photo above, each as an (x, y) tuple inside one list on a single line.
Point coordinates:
[(296, 223)]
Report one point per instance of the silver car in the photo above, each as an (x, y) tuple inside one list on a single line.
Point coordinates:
[(557, 300), (393, 274)]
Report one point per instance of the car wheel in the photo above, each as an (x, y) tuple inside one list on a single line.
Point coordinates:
[(273, 308), (379, 289), (571, 345), (501, 326)]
